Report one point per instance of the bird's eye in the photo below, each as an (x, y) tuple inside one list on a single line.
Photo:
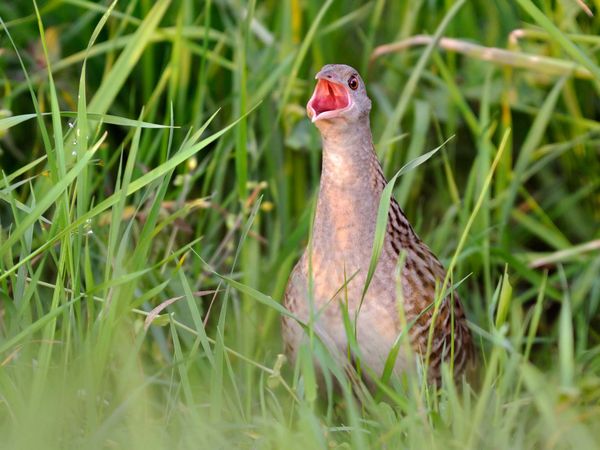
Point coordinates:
[(353, 83)]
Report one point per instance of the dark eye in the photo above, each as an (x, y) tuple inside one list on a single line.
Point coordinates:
[(353, 83)]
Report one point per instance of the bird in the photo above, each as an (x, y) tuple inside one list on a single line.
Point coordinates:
[(328, 280)]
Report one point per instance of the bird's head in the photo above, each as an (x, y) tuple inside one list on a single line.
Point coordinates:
[(340, 97)]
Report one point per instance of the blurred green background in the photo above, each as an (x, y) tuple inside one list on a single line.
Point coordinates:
[(145, 244)]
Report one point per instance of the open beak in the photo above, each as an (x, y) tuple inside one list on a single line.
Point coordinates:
[(328, 99)]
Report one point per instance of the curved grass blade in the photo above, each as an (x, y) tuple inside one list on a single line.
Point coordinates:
[(383, 214)]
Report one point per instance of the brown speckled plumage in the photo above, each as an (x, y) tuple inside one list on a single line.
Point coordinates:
[(350, 189)]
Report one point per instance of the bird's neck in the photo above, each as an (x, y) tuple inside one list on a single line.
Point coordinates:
[(348, 156), (349, 193)]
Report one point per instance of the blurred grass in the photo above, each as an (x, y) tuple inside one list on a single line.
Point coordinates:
[(170, 174)]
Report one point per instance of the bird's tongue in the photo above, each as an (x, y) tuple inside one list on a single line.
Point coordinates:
[(328, 97)]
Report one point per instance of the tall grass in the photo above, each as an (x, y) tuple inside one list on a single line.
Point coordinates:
[(158, 177)]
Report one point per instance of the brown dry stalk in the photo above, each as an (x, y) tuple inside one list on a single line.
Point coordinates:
[(542, 64), (155, 312), (168, 205), (585, 8), (562, 255)]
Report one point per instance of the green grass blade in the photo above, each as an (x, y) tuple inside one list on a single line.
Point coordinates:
[(132, 52), (393, 123), (50, 198)]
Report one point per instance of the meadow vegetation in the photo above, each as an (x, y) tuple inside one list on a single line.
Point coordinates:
[(158, 178)]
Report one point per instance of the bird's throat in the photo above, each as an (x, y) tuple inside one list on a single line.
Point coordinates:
[(349, 193)]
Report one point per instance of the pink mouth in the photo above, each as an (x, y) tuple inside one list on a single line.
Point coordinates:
[(327, 100)]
